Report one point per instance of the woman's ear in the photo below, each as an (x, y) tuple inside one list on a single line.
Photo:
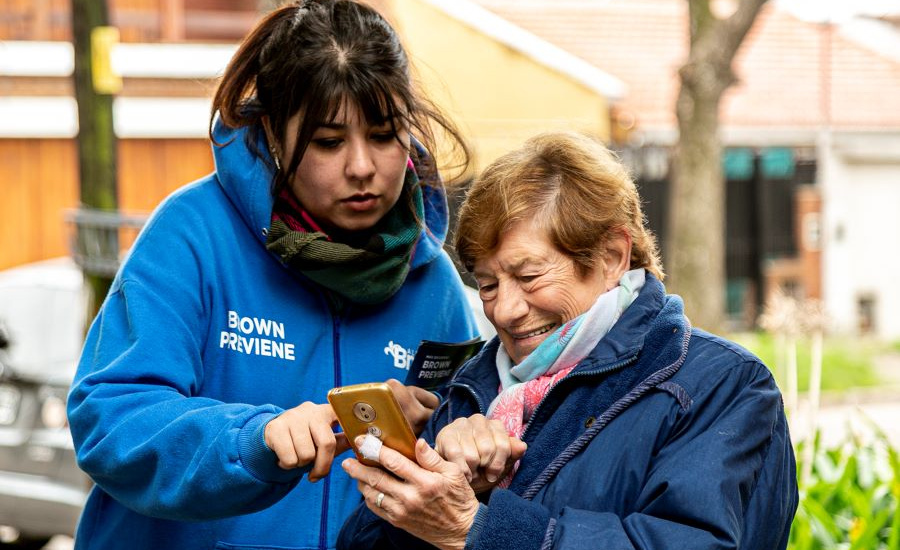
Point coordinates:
[(617, 260), (267, 126), (274, 148)]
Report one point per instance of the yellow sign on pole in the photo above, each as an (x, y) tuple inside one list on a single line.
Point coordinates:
[(105, 79)]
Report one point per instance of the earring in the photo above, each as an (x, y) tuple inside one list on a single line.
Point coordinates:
[(275, 158)]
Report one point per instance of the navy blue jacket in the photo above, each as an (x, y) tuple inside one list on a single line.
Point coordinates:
[(663, 437)]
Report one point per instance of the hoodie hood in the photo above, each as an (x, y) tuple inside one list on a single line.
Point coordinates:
[(246, 178)]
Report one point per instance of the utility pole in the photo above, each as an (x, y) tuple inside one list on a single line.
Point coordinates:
[(97, 156)]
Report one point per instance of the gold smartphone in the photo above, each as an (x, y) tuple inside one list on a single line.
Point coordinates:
[(371, 408)]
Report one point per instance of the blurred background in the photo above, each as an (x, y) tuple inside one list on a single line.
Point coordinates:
[(774, 192)]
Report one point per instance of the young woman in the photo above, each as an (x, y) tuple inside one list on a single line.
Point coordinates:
[(311, 258)]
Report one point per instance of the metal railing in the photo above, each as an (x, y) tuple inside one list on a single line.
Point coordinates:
[(99, 238)]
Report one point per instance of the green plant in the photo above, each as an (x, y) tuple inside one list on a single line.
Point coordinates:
[(851, 499)]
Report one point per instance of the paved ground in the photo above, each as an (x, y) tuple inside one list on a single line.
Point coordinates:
[(858, 414), (857, 411)]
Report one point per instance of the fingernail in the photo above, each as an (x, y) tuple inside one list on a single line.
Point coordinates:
[(491, 478)]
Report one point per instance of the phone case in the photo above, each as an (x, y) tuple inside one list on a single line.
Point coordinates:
[(372, 408)]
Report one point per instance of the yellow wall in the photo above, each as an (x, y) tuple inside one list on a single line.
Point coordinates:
[(497, 95)]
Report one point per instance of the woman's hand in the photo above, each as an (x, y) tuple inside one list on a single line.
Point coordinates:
[(481, 448), (417, 404), (305, 434), (431, 500)]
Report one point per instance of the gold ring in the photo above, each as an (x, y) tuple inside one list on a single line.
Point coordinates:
[(378, 499)]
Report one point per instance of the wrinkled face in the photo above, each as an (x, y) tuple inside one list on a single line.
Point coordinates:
[(352, 172), (529, 288)]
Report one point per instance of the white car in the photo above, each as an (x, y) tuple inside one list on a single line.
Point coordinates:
[(42, 322)]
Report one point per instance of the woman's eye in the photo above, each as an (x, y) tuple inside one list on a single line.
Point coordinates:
[(383, 137), (527, 278), (488, 290), (327, 143)]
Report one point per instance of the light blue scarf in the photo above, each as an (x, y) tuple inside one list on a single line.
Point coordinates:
[(571, 342)]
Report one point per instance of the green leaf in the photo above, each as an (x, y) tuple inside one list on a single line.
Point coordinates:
[(867, 538), (820, 517)]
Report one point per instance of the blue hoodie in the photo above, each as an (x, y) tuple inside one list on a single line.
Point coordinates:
[(204, 338)]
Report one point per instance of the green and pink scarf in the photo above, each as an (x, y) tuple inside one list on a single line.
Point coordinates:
[(366, 268)]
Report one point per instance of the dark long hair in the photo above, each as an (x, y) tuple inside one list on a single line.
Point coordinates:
[(312, 56)]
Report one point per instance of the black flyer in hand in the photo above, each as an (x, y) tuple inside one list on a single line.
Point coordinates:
[(435, 362)]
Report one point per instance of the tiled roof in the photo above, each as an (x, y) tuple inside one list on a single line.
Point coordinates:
[(785, 76)]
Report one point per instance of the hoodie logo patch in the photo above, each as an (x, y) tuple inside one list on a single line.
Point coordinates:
[(256, 336), (402, 356)]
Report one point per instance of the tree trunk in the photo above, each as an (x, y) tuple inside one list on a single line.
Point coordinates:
[(96, 137), (697, 255), (696, 265)]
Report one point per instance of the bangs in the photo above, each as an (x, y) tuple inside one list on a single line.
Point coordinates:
[(328, 96), (377, 105)]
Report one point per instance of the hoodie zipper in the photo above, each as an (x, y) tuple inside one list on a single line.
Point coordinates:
[(326, 487)]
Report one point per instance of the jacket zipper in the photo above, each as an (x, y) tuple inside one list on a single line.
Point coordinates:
[(615, 366), (469, 389), (637, 392)]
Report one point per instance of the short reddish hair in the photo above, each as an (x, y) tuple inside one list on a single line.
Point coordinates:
[(571, 185)]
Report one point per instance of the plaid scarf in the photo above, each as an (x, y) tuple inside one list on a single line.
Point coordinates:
[(368, 270)]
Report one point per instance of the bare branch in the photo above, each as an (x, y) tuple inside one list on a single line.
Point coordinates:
[(732, 31)]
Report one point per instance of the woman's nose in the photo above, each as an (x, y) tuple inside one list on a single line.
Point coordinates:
[(510, 305), (360, 163)]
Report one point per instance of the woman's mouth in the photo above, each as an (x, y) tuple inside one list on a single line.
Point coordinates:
[(536, 332), (361, 202), (522, 343)]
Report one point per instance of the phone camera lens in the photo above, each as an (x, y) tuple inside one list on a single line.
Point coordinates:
[(364, 412)]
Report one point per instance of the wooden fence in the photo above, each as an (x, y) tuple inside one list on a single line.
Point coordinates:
[(39, 186)]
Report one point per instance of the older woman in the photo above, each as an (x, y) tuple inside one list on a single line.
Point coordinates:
[(641, 431)]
